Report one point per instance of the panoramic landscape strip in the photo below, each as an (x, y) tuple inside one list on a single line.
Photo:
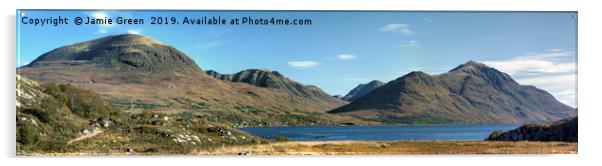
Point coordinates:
[(119, 90)]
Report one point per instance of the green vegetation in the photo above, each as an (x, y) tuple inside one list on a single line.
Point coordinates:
[(281, 138), (52, 118), (495, 134), (83, 103)]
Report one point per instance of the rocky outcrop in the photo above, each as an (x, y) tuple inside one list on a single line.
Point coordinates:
[(563, 130)]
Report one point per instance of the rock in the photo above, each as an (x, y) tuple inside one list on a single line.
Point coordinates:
[(129, 150), (244, 153), (105, 123)]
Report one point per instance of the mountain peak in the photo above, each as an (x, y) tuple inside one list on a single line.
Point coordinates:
[(362, 90), (416, 74), (265, 78), (126, 51), (375, 82), (131, 39), (469, 65)]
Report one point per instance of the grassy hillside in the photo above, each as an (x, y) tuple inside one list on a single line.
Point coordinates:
[(60, 118)]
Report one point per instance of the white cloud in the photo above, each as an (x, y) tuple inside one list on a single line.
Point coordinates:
[(562, 87), (303, 64), (553, 71), (346, 57), (135, 31), (536, 64), (103, 28), (400, 28), (411, 43)]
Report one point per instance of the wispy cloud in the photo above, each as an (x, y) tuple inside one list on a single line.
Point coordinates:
[(553, 71), (303, 64), (411, 43), (346, 57), (403, 29), (357, 79), (555, 50), (428, 20), (135, 31)]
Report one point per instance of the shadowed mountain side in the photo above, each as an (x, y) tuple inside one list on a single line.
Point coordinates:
[(362, 90), (135, 73), (563, 130), (469, 93)]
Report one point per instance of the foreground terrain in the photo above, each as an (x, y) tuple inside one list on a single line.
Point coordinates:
[(369, 148), (402, 147)]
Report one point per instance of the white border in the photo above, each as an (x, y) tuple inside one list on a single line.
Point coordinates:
[(588, 94)]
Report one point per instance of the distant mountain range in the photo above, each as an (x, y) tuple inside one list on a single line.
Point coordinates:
[(469, 93), (362, 89), (135, 72)]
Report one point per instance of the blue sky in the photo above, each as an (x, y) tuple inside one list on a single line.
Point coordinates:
[(342, 49)]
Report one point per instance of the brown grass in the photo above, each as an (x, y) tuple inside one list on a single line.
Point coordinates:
[(392, 148), (367, 148)]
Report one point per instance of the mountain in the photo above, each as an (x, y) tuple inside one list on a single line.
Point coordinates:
[(362, 89), (137, 73), (274, 80), (120, 52), (562, 130), (469, 93)]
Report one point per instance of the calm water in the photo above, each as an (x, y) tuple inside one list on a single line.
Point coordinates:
[(381, 133)]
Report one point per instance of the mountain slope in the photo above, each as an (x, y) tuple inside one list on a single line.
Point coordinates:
[(274, 80), (562, 130), (362, 89), (137, 73), (469, 93)]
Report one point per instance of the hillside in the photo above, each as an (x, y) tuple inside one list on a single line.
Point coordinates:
[(469, 93), (274, 80), (562, 130), (137, 73), (60, 118)]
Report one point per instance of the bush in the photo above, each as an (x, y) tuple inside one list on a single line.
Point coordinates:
[(27, 135), (495, 135), (281, 138)]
